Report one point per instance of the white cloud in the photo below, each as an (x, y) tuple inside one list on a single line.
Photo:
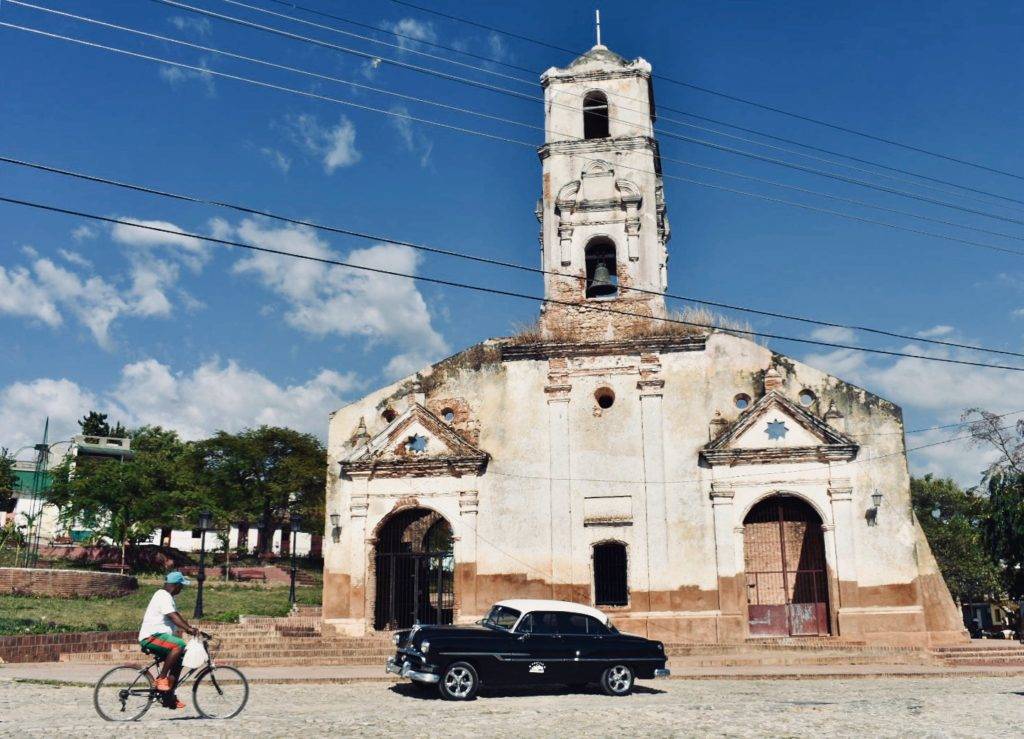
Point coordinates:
[(226, 396), (323, 300), (936, 391), (124, 233), (83, 233), (198, 26), (1017, 313), (410, 31), (74, 258), (21, 294), (834, 334), (336, 146), (215, 395), (413, 139), (277, 158), (25, 406), (936, 331), (179, 76)]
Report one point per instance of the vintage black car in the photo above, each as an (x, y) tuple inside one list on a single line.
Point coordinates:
[(526, 642)]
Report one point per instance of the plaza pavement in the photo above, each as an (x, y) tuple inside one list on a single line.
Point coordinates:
[(870, 706)]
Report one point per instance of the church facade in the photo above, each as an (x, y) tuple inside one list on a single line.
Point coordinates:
[(694, 484)]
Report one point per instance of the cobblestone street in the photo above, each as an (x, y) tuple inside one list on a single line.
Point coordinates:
[(866, 707)]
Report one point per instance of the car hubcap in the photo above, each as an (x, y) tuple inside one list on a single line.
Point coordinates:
[(458, 682), (618, 679)]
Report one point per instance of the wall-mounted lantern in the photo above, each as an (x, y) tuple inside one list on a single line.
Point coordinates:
[(335, 527), (872, 513)]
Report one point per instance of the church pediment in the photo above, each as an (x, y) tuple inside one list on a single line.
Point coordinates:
[(416, 444), (773, 430)]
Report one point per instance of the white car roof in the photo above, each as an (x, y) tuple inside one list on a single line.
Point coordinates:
[(526, 605)]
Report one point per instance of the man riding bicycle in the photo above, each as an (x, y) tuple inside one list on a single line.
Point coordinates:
[(159, 634)]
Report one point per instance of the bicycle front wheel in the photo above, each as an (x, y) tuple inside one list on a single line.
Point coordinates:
[(123, 694), (220, 692)]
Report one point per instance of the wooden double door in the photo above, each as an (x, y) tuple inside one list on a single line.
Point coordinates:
[(787, 578)]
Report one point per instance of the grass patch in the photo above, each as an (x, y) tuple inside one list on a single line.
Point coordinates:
[(222, 602)]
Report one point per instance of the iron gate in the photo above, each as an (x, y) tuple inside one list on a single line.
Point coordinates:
[(784, 557), (414, 588), (415, 571)]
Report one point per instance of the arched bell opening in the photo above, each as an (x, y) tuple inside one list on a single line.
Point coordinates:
[(414, 565), (602, 270), (786, 573), (595, 115)]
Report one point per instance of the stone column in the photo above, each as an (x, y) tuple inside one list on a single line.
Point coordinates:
[(359, 548), (465, 563), (844, 564), (660, 570), (560, 490), (731, 591)]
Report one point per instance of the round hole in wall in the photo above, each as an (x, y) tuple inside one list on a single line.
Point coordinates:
[(389, 414), (605, 397), (448, 415), (742, 401), (807, 397)]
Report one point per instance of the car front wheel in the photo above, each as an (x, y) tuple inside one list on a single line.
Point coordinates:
[(459, 682), (617, 680)]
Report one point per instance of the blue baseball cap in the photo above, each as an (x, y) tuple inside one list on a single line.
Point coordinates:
[(176, 578)]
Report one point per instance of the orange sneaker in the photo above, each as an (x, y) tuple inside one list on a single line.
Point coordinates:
[(163, 683)]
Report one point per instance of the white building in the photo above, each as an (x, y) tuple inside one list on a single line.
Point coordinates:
[(694, 485)]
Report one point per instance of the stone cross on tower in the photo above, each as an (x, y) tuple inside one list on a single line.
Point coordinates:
[(602, 211)]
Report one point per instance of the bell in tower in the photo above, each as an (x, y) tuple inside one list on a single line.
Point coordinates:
[(604, 229)]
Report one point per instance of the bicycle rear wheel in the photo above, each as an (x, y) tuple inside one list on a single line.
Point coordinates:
[(220, 692), (123, 694)]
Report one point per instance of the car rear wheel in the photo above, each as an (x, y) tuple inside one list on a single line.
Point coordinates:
[(459, 682), (617, 680)]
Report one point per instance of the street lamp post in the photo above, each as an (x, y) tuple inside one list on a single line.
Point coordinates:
[(296, 522), (205, 522)]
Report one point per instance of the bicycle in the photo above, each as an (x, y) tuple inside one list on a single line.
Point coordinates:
[(126, 692)]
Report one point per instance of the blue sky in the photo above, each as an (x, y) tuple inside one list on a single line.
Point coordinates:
[(199, 337)]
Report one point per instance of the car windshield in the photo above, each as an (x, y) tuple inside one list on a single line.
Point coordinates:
[(501, 617)]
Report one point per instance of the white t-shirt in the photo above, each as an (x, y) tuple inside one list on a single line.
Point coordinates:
[(155, 621)]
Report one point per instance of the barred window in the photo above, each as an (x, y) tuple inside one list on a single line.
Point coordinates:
[(610, 583)]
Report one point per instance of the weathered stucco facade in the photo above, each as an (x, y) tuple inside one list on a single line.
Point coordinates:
[(661, 472)]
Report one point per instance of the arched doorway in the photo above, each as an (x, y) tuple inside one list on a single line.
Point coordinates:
[(415, 570), (784, 558)]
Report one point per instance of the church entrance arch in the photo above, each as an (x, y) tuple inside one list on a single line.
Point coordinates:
[(787, 579), (414, 561)]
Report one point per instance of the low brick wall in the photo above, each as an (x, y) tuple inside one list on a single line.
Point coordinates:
[(65, 583), (49, 647)]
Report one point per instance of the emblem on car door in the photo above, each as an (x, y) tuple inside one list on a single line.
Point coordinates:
[(537, 667)]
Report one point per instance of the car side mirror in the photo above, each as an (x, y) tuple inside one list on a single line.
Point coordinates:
[(523, 636)]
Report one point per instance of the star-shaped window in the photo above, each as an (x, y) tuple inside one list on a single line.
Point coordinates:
[(776, 429), (416, 444)]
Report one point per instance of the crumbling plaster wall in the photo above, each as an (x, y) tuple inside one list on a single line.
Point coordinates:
[(523, 531)]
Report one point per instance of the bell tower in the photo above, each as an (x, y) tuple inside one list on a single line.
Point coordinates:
[(602, 208)]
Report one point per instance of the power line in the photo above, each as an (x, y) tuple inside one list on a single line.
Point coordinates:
[(199, 200), (460, 129), (490, 290), (468, 111), (525, 96), (734, 98), (662, 107)]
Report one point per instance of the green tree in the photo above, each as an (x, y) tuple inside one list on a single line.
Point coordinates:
[(1003, 482), (265, 472), (125, 501), (7, 476), (953, 521), (95, 423)]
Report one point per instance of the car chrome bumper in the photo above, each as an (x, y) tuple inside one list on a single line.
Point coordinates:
[(662, 672), (405, 671)]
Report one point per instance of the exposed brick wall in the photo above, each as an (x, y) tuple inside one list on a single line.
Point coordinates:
[(49, 647), (65, 583)]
